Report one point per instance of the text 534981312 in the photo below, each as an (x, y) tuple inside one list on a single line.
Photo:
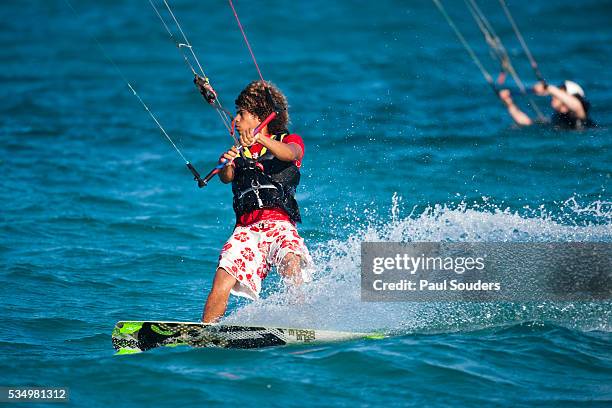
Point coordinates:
[(38, 394)]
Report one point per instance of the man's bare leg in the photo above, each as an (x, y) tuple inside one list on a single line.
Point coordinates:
[(218, 296), (291, 271)]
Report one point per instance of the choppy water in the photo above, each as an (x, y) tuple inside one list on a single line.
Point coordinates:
[(100, 222)]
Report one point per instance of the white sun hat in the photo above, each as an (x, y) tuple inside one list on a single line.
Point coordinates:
[(573, 88)]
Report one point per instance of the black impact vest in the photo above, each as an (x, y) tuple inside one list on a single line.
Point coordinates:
[(265, 182)]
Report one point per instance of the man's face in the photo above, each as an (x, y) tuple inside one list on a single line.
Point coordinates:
[(245, 120)]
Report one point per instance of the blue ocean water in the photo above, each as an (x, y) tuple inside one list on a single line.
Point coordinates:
[(101, 221)]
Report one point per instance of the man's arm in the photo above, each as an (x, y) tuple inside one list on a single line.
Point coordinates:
[(282, 151), (226, 175)]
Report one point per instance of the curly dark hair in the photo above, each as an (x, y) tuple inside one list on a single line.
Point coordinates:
[(255, 99)]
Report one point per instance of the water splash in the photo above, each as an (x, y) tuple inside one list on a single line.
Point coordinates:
[(333, 301)]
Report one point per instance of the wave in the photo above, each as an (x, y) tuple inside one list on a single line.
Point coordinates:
[(332, 301)]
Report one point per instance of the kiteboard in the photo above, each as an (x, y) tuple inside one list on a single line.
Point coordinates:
[(137, 336)]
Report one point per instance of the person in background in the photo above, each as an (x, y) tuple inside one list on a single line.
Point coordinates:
[(571, 108)]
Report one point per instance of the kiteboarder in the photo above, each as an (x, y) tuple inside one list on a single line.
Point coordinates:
[(265, 172), (568, 101)]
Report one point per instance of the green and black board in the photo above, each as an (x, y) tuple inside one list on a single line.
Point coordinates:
[(135, 336)]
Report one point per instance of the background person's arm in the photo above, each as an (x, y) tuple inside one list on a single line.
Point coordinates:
[(519, 117), (568, 100)]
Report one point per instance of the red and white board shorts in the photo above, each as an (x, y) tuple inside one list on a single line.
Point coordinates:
[(251, 251)]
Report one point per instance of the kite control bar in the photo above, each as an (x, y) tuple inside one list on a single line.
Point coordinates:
[(218, 167)]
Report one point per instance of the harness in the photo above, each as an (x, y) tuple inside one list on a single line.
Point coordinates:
[(263, 181)]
